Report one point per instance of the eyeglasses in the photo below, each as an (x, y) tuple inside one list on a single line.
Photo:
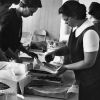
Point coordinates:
[(33, 9), (66, 19)]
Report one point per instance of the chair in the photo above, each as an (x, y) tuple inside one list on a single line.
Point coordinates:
[(39, 35), (38, 41), (26, 38)]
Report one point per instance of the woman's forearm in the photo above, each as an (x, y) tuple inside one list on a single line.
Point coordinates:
[(62, 51), (3, 56), (78, 65)]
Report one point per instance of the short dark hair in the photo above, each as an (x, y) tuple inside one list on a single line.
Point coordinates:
[(31, 3), (9, 1), (94, 10), (73, 9)]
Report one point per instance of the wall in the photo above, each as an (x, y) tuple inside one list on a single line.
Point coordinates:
[(46, 18)]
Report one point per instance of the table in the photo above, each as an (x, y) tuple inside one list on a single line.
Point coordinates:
[(55, 95)]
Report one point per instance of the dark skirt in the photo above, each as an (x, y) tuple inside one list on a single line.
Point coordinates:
[(91, 92)]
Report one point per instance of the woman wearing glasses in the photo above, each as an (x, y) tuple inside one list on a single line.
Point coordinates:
[(83, 50)]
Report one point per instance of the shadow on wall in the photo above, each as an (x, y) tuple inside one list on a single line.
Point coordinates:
[(46, 18)]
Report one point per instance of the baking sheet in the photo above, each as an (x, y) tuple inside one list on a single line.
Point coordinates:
[(46, 66)]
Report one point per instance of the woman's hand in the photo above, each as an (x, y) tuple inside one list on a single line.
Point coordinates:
[(49, 57), (18, 60), (33, 55)]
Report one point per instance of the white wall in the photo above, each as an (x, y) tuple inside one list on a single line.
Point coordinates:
[(30, 24), (46, 18)]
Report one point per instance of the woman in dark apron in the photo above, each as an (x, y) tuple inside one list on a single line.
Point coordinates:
[(84, 52)]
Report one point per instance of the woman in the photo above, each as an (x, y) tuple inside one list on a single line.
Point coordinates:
[(83, 47), (9, 18), (10, 35), (94, 12), (11, 28)]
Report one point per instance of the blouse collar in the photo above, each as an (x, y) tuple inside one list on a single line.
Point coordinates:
[(85, 25)]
